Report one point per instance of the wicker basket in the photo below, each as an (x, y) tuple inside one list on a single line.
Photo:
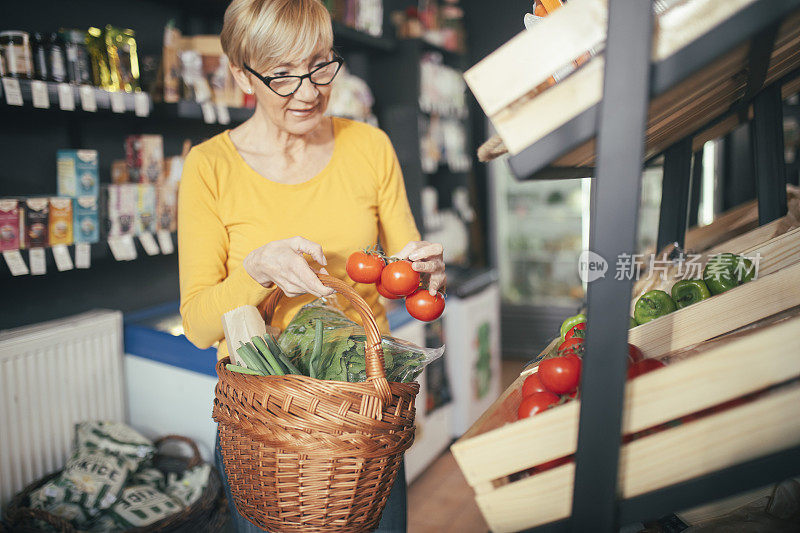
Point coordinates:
[(303, 454), (209, 513)]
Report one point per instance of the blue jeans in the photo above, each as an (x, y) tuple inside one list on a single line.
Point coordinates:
[(393, 519)]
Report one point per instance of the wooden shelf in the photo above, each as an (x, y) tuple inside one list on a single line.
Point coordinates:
[(692, 83)]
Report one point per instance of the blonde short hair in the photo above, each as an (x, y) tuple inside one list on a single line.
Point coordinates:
[(264, 33)]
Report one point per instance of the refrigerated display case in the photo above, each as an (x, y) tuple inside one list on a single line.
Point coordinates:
[(540, 229)]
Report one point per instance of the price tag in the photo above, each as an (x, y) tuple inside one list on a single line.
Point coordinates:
[(149, 243), (40, 97), (223, 116), (13, 92), (83, 255), (141, 104), (66, 98), (88, 99), (209, 115), (16, 264), (165, 242), (37, 260), (117, 102), (123, 248), (62, 257)]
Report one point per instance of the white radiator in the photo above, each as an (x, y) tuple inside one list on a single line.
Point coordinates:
[(53, 375)]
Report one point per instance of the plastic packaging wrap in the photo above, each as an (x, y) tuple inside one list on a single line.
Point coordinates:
[(340, 347)]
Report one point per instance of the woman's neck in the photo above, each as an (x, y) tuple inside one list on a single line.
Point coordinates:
[(258, 134)]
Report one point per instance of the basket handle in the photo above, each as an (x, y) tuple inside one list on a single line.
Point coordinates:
[(196, 459), (373, 350)]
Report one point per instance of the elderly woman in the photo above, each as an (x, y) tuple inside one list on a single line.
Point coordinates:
[(289, 186)]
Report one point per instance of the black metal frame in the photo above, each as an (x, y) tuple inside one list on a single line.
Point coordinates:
[(619, 122)]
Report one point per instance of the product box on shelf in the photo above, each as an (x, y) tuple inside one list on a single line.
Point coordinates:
[(78, 173), (87, 223), (119, 171), (119, 205), (61, 229), (167, 208), (145, 157), (9, 224), (36, 222), (145, 209)]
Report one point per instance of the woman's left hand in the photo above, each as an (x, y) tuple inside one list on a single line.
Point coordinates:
[(426, 258)]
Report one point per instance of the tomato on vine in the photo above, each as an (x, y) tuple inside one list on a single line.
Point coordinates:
[(422, 306), (364, 267), (398, 277), (383, 292), (536, 403)]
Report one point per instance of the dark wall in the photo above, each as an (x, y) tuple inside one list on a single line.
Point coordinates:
[(488, 26), (30, 138)]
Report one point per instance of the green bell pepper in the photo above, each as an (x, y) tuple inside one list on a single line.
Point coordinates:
[(570, 322), (689, 291), (725, 271), (651, 305)]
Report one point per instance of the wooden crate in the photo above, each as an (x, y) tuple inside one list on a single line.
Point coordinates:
[(699, 377), (506, 82)]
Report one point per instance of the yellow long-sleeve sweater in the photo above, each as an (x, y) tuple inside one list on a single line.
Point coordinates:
[(226, 210)]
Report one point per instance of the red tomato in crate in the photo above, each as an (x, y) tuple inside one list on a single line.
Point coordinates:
[(535, 404), (532, 384), (383, 292), (399, 278), (577, 331), (575, 344), (422, 306), (561, 375), (363, 267), (643, 367), (635, 353)]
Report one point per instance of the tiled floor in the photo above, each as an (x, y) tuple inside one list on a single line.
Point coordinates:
[(439, 500)]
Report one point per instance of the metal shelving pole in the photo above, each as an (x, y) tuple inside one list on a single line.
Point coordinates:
[(616, 192), (768, 154), (676, 186)]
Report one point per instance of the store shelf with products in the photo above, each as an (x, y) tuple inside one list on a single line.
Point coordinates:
[(738, 57)]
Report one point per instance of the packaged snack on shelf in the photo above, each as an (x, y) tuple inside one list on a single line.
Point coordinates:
[(145, 209), (36, 222), (9, 224), (79, 67), (86, 228), (77, 172), (119, 171), (145, 157), (16, 49), (95, 45), (340, 347), (123, 61), (171, 64), (142, 505), (167, 207), (61, 219), (119, 205), (214, 66)]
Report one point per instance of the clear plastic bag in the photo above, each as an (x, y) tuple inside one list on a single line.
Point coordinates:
[(340, 354)]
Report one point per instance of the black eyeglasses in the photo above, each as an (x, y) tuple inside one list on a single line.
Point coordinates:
[(288, 85)]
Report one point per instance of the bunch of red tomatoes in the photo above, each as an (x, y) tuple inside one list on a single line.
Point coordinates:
[(395, 279), (557, 378)]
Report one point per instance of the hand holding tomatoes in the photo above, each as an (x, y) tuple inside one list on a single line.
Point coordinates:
[(427, 258)]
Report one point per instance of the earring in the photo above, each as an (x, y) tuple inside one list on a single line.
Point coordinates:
[(249, 91)]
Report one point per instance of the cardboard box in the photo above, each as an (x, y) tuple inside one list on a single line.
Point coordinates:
[(78, 173), (119, 171), (9, 224), (145, 209), (145, 157), (87, 222), (36, 222), (61, 230), (119, 209)]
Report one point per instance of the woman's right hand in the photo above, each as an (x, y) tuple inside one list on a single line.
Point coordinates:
[(282, 263)]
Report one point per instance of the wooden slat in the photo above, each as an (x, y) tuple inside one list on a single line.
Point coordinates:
[(531, 57), (708, 379), (720, 314), (671, 456), (746, 241)]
